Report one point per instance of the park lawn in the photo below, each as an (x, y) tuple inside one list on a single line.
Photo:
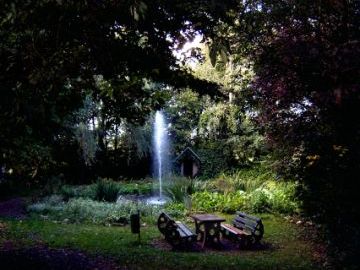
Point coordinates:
[(287, 251)]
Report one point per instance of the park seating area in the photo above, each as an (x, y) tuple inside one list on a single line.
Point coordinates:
[(246, 231)]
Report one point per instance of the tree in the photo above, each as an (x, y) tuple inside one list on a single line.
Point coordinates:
[(306, 89), (53, 52), (183, 111)]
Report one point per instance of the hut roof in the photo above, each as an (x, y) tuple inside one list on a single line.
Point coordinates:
[(188, 152)]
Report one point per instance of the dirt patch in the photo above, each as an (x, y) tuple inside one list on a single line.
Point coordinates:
[(42, 258), (13, 208)]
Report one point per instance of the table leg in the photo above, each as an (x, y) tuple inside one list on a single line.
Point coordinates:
[(213, 233), (200, 231)]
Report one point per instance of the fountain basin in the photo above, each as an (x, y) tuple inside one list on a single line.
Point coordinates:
[(151, 200), (156, 200)]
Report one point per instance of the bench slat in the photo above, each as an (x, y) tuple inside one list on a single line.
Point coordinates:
[(185, 230), (249, 223), (243, 215), (234, 230), (244, 226)]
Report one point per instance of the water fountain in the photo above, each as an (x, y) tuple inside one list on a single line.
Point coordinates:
[(161, 164), (160, 152)]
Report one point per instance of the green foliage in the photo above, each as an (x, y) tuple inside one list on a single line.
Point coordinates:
[(52, 185), (84, 191), (219, 121), (49, 205), (106, 190), (79, 210), (213, 161), (283, 197), (183, 111), (244, 179), (122, 49), (178, 188), (175, 209), (259, 201), (216, 202), (254, 190), (139, 188)]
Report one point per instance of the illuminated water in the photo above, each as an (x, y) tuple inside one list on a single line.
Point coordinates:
[(160, 150)]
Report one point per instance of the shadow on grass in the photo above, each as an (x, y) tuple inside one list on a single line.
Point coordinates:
[(226, 246), (44, 258)]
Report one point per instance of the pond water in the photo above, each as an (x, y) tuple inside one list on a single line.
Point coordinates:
[(152, 200)]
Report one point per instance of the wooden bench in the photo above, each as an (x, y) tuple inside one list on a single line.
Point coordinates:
[(246, 230), (175, 232)]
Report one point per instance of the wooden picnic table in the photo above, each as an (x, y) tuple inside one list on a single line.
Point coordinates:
[(208, 228)]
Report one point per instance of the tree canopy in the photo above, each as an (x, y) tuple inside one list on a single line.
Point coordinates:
[(79, 78)]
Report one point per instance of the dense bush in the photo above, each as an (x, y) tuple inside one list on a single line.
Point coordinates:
[(216, 202), (255, 194)]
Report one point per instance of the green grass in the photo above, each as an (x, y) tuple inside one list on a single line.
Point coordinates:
[(288, 251)]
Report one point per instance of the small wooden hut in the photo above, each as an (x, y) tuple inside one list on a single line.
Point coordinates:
[(188, 163)]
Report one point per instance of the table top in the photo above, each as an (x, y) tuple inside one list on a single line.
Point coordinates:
[(207, 218)]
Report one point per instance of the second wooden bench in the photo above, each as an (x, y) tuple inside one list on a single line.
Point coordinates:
[(246, 230)]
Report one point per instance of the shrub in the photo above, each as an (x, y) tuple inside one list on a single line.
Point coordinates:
[(217, 202), (86, 191), (246, 180), (179, 188), (174, 209), (259, 201), (270, 197), (48, 205), (283, 199), (53, 185), (78, 210), (106, 190)]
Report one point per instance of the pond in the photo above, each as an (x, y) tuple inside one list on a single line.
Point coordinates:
[(151, 200)]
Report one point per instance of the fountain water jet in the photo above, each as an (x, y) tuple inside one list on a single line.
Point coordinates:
[(161, 164), (161, 152), (159, 136)]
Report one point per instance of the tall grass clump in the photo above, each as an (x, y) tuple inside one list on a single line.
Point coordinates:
[(106, 190), (179, 188)]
